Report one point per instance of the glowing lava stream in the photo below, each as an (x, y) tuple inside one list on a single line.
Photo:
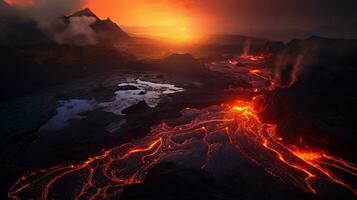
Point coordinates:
[(191, 145), (256, 72)]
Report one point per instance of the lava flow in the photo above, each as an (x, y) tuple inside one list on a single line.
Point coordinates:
[(190, 141), (195, 140), (257, 72), (252, 57)]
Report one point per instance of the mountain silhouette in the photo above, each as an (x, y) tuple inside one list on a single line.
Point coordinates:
[(106, 29)]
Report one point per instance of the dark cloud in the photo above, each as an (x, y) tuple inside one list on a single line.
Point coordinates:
[(306, 17)]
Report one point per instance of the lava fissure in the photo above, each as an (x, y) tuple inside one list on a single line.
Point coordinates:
[(192, 144), (184, 144)]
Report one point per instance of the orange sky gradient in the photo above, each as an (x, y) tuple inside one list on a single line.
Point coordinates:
[(167, 19), (186, 20)]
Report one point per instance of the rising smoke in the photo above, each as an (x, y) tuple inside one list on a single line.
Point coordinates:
[(246, 46), (78, 32), (290, 63), (48, 18)]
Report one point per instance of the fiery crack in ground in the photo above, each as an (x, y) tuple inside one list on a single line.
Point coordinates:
[(192, 141), (237, 124)]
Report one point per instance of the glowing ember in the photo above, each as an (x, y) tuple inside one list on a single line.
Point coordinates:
[(258, 72), (252, 57), (188, 144), (233, 62)]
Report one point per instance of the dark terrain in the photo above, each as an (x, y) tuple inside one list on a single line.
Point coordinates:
[(320, 106), (315, 100)]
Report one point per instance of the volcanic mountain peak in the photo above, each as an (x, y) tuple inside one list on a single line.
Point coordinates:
[(85, 12), (107, 29)]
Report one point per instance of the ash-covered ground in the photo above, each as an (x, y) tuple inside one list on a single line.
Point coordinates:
[(169, 115), (88, 111), (72, 122)]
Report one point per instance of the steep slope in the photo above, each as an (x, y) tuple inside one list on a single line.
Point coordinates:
[(319, 108), (106, 30)]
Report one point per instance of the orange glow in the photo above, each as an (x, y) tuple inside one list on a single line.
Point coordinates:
[(256, 142), (252, 57), (257, 72), (160, 19), (308, 155), (166, 20), (244, 108), (20, 2), (128, 164), (233, 62)]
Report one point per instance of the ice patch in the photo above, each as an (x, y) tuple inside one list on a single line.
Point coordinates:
[(69, 109), (151, 93)]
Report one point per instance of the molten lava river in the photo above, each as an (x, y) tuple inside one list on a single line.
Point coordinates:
[(194, 140)]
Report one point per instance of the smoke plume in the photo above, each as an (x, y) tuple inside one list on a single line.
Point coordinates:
[(246, 46), (291, 63), (48, 17), (78, 32)]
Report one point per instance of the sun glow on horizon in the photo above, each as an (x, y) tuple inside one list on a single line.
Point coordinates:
[(180, 34), (161, 20)]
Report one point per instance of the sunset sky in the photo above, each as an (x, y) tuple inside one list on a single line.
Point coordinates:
[(272, 18), (276, 19)]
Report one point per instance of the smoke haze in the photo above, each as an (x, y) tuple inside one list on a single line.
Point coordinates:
[(48, 18)]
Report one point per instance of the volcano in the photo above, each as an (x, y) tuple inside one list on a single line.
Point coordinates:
[(106, 29), (89, 111)]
